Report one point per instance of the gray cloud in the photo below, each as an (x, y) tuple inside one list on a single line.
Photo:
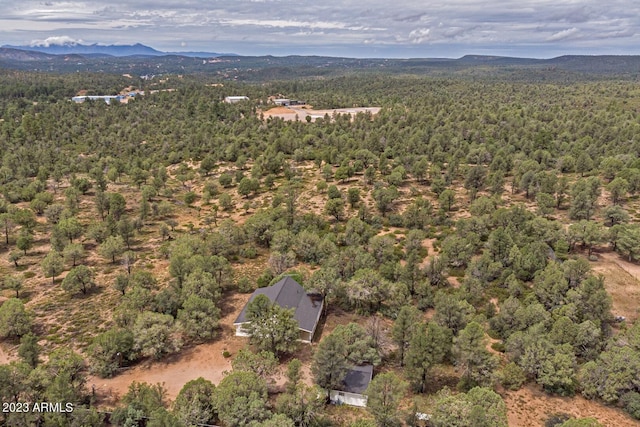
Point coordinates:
[(334, 27)]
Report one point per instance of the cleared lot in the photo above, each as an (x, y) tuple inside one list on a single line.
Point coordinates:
[(290, 113)]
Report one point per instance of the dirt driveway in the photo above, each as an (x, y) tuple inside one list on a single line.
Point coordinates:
[(205, 360)]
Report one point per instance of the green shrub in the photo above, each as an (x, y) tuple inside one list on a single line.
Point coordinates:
[(249, 252), (396, 220), (264, 279), (294, 274), (493, 334), (631, 403), (245, 285), (511, 376), (556, 420)]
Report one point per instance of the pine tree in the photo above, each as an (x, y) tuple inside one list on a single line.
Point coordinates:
[(330, 366), (429, 345), (271, 327), (403, 329), (384, 395)]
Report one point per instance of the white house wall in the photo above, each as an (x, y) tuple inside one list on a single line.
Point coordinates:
[(240, 332), (346, 398), (312, 333), (304, 335)]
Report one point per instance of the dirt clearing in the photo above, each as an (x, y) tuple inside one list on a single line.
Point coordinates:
[(530, 406), (290, 113), (205, 360), (622, 281)]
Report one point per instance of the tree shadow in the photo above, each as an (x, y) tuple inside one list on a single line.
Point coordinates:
[(438, 378)]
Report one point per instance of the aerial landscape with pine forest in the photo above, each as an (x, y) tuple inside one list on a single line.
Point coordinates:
[(471, 229)]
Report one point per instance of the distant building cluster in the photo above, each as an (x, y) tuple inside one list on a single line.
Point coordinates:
[(107, 98), (283, 102)]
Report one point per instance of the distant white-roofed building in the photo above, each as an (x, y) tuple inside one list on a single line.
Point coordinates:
[(285, 102), (105, 98), (234, 99)]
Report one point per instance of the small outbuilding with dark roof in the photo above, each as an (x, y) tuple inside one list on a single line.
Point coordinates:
[(288, 293), (354, 386)]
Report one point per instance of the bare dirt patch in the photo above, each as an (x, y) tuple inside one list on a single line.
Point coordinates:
[(336, 316), (283, 113), (278, 110), (632, 269), (291, 113), (454, 281), (6, 356), (622, 281), (428, 243), (530, 406)]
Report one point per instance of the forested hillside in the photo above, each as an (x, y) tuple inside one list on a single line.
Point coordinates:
[(474, 240)]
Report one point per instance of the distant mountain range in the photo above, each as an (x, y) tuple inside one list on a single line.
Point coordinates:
[(110, 50), (143, 60)]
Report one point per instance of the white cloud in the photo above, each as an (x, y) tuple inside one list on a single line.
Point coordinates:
[(290, 23), (52, 41), (420, 35), (564, 34)]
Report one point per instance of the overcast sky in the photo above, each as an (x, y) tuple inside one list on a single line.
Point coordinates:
[(355, 28)]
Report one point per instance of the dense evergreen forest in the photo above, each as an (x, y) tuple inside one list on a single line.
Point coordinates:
[(459, 238)]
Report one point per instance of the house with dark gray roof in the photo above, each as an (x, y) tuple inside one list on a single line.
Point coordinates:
[(354, 386), (288, 293)]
